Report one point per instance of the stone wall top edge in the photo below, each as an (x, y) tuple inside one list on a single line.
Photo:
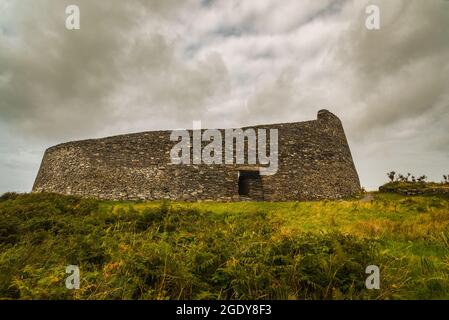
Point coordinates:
[(284, 125)]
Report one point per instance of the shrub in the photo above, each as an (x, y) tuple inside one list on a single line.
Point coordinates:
[(222, 251), (9, 232), (391, 175), (9, 196)]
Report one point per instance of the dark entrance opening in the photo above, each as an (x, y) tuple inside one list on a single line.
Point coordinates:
[(250, 185)]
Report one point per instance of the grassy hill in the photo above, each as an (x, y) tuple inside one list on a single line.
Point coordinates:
[(171, 250)]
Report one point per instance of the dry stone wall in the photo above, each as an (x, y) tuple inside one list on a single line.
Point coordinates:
[(315, 163)]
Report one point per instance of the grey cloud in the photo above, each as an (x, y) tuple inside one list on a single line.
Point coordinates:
[(61, 82), (142, 65), (401, 71)]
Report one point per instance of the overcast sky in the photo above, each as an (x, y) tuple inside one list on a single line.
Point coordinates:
[(142, 65)]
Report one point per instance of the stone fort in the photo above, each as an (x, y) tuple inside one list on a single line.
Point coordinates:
[(314, 162)]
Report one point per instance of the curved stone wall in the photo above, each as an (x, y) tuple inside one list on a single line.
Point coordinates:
[(315, 162)]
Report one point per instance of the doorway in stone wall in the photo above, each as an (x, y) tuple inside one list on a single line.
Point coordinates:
[(250, 185)]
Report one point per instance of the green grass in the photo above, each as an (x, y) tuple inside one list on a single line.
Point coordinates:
[(424, 188), (208, 250)]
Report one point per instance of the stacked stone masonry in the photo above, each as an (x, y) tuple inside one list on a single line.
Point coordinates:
[(314, 158)]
